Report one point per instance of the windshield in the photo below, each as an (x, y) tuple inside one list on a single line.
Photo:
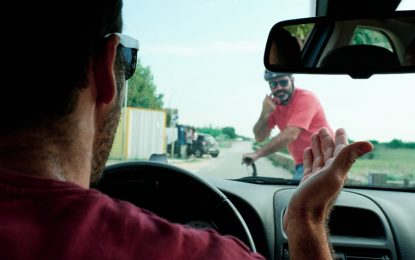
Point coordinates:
[(200, 71)]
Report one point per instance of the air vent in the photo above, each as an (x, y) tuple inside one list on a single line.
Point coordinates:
[(366, 258), (360, 254), (342, 256), (355, 222), (351, 254)]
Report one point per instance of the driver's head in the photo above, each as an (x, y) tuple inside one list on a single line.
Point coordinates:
[(54, 51), (281, 86), (50, 48)]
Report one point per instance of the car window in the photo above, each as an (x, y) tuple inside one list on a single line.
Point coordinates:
[(368, 36), (406, 5), (378, 110), (301, 32), (197, 71)]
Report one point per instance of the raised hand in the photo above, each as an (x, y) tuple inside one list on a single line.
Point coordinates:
[(326, 165), (268, 105)]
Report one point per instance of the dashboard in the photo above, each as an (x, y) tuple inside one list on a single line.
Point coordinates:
[(364, 224)]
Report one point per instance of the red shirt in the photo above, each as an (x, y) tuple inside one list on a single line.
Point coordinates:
[(48, 219), (303, 111)]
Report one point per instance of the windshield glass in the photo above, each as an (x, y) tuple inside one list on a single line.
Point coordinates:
[(200, 71)]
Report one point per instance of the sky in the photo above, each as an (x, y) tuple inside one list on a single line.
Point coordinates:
[(206, 57)]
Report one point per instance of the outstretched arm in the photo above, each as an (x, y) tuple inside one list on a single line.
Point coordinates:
[(282, 140), (326, 164)]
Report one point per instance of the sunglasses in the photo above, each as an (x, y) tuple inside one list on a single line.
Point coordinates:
[(274, 84), (128, 48)]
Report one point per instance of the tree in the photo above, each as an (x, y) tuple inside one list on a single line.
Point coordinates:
[(209, 130), (142, 90), (229, 131)]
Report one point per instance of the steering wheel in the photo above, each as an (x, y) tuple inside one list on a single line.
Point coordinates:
[(176, 195)]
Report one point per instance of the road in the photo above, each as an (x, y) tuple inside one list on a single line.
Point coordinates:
[(228, 164)]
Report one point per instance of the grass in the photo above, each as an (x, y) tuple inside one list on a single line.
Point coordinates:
[(397, 164)]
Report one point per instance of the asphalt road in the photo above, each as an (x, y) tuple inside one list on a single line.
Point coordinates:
[(228, 164)]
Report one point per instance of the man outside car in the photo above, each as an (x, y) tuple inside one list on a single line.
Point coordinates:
[(296, 112)]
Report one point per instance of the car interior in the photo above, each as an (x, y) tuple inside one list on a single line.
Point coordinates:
[(374, 220)]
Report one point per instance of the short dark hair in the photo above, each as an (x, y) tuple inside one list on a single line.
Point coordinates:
[(47, 56)]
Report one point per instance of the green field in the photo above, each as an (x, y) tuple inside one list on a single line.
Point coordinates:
[(397, 164), (392, 167)]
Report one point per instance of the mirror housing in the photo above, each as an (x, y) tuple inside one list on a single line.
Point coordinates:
[(355, 46)]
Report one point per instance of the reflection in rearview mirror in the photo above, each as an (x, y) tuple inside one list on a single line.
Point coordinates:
[(357, 47)]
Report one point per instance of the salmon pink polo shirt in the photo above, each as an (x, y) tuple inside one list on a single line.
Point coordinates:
[(304, 111)]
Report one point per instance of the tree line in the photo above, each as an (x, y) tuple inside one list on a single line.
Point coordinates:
[(216, 132), (394, 144), (142, 93)]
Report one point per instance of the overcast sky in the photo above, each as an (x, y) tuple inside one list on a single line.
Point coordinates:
[(206, 58)]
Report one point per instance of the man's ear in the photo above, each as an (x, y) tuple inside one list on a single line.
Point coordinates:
[(103, 68)]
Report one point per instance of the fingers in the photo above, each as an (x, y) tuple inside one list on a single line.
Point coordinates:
[(248, 161), (248, 158), (348, 155), (245, 159), (307, 161), (323, 146), (327, 144), (268, 104), (340, 140), (318, 159)]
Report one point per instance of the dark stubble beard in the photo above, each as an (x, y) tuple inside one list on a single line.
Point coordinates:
[(105, 137)]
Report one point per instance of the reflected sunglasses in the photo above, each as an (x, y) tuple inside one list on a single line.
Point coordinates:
[(128, 48), (282, 82)]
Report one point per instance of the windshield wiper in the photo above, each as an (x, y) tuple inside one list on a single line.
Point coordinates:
[(262, 179), (267, 180)]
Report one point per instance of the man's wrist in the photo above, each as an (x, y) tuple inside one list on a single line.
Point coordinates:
[(316, 246), (305, 225), (295, 217)]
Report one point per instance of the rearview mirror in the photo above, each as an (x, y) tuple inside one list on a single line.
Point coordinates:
[(359, 47)]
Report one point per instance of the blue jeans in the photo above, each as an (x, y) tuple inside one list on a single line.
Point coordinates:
[(298, 174)]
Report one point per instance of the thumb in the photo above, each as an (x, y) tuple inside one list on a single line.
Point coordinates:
[(350, 153)]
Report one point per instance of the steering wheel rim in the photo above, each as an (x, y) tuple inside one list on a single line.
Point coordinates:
[(174, 194)]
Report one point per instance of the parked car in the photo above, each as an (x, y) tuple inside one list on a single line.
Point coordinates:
[(206, 144)]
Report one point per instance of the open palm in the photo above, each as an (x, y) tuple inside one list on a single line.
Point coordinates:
[(326, 164)]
